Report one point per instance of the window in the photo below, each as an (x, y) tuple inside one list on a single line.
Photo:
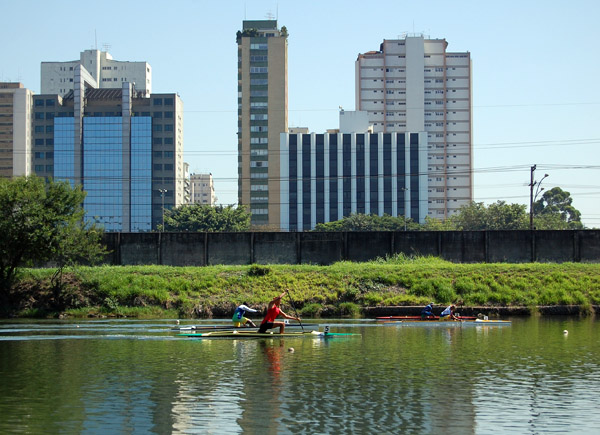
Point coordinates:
[(258, 70), (39, 141), (259, 117), (258, 46), (39, 103), (169, 115), (168, 127), (168, 101), (157, 101)]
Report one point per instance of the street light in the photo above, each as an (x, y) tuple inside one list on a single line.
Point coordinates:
[(162, 196), (404, 189), (533, 197)]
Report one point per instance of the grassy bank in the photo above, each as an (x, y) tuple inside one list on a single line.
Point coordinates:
[(341, 289)]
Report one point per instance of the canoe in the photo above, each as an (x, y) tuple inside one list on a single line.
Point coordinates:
[(419, 318), (451, 323), (208, 328), (270, 334)]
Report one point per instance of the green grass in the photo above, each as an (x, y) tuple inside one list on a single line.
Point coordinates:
[(340, 289)]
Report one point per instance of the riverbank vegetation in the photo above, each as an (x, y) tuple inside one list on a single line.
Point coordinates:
[(343, 288)]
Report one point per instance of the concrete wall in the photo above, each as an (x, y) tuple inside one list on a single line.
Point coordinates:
[(201, 249)]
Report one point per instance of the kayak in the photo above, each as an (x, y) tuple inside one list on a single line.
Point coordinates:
[(476, 322), (419, 318), (270, 334), (208, 328)]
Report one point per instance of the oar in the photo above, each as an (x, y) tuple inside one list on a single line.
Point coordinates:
[(292, 303)]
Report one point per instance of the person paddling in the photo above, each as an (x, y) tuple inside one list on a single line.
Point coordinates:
[(427, 312), (239, 319), (448, 313), (273, 311)]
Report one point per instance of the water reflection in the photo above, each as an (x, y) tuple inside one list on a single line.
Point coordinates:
[(529, 377)]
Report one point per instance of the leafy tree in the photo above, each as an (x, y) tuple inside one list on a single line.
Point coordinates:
[(432, 224), (372, 222), (201, 218), (554, 210), (43, 222), (497, 216)]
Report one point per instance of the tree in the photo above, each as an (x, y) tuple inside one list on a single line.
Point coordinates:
[(42, 222), (200, 218), (497, 216), (371, 222), (554, 210)]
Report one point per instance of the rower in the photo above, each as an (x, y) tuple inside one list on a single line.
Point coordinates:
[(239, 319), (448, 313), (427, 312), (274, 310)]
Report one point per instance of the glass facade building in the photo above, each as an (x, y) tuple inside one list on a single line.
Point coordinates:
[(123, 148), (64, 150), (326, 177)]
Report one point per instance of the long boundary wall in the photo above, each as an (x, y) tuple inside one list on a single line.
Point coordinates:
[(201, 249)]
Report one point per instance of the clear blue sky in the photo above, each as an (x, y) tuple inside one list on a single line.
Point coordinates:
[(536, 96)]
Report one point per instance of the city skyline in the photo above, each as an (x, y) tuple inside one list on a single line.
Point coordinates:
[(534, 102)]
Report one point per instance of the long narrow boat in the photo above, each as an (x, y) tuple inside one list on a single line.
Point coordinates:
[(419, 318), (271, 334), (208, 328), (450, 323)]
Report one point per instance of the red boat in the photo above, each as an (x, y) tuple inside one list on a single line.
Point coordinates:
[(396, 318)]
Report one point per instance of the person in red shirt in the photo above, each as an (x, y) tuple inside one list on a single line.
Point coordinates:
[(273, 311)]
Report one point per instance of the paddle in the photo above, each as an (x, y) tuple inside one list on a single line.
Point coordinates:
[(292, 303)]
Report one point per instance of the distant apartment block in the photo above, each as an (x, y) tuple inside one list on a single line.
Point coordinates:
[(104, 71), (202, 189), (414, 84), (124, 147), (262, 117), (15, 130), (326, 177)]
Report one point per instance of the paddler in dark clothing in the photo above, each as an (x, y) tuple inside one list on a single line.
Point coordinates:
[(427, 312), (273, 311)]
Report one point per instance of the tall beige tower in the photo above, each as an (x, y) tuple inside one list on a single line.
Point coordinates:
[(15, 130), (262, 117), (414, 84)]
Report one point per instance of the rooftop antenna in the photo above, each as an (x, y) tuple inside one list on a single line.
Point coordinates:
[(106, 47), (277, 12), (269, 16), (95, 40)]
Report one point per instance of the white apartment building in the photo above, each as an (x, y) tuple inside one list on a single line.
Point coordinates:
[(202, 189), (411, 85), (57, 77), (15, 130)]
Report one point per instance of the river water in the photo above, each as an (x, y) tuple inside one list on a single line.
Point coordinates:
[(123, 376)]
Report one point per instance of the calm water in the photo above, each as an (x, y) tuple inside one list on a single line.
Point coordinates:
[(138, 377)]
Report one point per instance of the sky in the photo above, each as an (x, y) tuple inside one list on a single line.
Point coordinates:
[(534, 97)]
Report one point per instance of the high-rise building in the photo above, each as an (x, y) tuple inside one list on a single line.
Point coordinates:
[(123, 147), (105, 73), (202, 189), (326, 177), (15, 130), (262, 117), (413, 85)]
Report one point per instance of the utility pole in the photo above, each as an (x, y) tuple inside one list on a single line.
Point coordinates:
[(531, 184), (533, 197), (162, 195), (404, 189)]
